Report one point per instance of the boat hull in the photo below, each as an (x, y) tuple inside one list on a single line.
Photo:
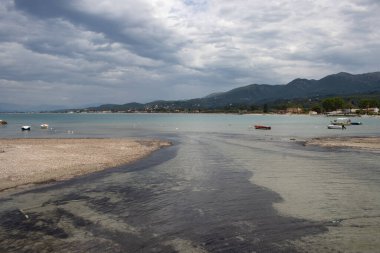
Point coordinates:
[(335, 126), (25, 128), (259, 127)]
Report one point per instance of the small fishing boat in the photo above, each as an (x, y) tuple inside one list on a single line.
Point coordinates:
[(44, 126), (3, 122), (331, 126), (356, 123), (260, 127), (25, 128)]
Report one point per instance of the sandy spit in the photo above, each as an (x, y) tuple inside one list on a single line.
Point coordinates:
[(31, 161), (366, 143)]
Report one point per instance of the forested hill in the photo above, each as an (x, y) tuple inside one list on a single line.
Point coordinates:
[(341, 84), (332, 85)]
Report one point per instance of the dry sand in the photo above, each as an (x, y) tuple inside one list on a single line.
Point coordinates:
[(367, 143), (31, 161)]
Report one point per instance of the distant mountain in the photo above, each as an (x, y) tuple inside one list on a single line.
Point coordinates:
[(7, 107), (115, 107), (341, 84), (4, 107), (333, 85)]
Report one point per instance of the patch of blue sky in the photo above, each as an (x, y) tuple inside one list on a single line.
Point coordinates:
[(198, 5)]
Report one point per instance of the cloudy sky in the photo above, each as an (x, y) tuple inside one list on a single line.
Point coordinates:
[(79, 52)]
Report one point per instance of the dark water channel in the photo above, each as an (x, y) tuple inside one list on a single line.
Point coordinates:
[(191, 197)]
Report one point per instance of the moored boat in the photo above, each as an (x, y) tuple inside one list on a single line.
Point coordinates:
[(3, 122), (261, 127), (331, 126), (25, 128), (44, 126), (356, 123), (341, 122)]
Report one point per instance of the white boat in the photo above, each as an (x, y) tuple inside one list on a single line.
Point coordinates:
[(341, 121), (25, 128), (331, 126), (44, 126)]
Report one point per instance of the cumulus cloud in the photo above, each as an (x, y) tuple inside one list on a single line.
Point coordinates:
[(86, 51)]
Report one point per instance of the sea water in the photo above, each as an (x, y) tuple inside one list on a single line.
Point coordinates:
[(140, 124), (222, 187)]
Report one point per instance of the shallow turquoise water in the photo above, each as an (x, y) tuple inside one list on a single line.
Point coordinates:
[(137, 125)]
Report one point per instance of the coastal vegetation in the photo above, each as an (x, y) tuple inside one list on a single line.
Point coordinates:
[(356, 104)]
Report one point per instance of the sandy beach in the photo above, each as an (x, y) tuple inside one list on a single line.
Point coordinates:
[(31, 161), (366, 143)]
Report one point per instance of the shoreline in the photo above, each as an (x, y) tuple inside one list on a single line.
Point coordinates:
[(367, 143), (26, 162)]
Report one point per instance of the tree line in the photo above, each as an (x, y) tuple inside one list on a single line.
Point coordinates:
[(336, 103), (318, 105)]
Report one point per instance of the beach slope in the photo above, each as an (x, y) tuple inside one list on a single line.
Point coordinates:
[(31, 161)]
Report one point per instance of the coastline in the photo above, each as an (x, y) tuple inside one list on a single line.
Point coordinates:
[(364, 143), (36, 161)]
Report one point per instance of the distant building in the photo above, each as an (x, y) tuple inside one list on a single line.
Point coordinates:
[(313, 113), (294, 110), (337, 112), (373, 110), (354, 110)]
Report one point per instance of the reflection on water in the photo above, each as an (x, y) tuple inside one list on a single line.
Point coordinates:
[(215, 190)]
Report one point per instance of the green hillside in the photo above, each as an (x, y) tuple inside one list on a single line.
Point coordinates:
[(341, 84)]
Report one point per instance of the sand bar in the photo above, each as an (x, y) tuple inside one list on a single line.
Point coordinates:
[(30, 161), (366, 143)]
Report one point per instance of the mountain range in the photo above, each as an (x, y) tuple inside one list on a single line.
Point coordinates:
[(340, 84), (8, 107), (15, 108)]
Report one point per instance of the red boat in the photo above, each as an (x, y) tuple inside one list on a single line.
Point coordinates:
[(262, 127)]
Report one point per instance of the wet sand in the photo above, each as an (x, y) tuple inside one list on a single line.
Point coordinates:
[(366, 143), (33, 161)]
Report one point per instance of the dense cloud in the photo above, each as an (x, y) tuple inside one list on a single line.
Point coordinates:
[(79, 52)]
